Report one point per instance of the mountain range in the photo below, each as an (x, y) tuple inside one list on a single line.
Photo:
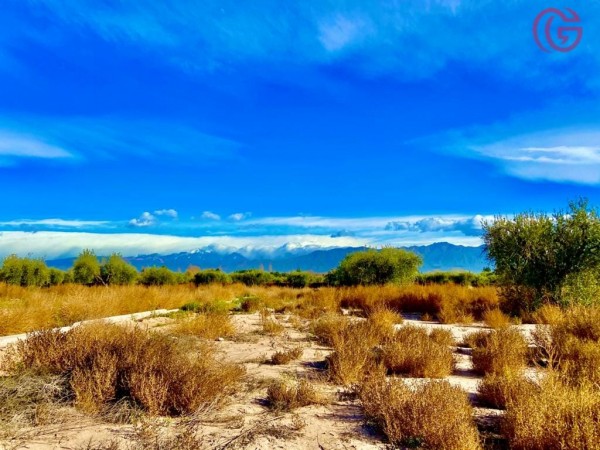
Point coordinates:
[(437, 256)]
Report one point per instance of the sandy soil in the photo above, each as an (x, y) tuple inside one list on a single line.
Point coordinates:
[(245, 422)]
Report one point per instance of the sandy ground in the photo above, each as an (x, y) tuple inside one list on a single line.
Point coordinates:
[(245, 422)]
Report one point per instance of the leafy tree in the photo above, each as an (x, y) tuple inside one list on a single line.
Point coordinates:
[(535, 254), (297, 279), (158, 276), (24, 271), (118, 271), (210, 276), (86, 268), (56, 276), (388, 265), (252, 277)]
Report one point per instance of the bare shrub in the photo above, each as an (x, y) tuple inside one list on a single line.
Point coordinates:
[(556, 416), (434, 415), (354, 353), (207, 326), (104, 363), (442, 336), (498, 391), (288, 394), (270, 326), (502, 352), (286, 356), (414, 353), (496, 319), (548, 315), (328, 326)]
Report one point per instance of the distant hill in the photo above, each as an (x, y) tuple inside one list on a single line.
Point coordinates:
[(438, 256)]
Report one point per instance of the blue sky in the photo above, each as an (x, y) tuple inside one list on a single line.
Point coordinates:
[(145, 126)]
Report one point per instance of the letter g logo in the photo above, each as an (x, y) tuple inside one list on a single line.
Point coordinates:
[(559, 40)]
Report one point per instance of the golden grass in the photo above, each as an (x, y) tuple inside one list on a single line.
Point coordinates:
[(353, 353), (105, 363), (434, 415), (548, 315), (555, 416), (572, 345), (498, 391), (496, 319), (500, 352), (270, 326), (207, 326), (289, 394), (29, 309), (414, 353), (286, 356), (328, 326)]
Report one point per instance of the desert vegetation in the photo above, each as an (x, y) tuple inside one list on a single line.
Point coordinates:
[(505, 359)]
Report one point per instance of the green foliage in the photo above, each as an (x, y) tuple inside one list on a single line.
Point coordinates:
[(297, 279), (253, 277), (117, 271), (56, 276), (535, 254), (159, 276), (210, 276), (464, 278), (24, 271), (86, 268), (388, 265)]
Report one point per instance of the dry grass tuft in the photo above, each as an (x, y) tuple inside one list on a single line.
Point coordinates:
[(105, 363), (547, 315), (383, 321), (353, 353), (496, 319), (286, 356), (207, 326), (555, 416), (414, 353), (572, 345), (434, 415), (498, 391), (289, 394), (443, 337), (270, 326), (327, 327), (500, 352)]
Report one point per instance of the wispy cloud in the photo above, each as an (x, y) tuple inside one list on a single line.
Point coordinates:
[(167, 213), (107, 137), (411, 38), (209, 215), (15, 145), (237, 217), (58, 223), (145, 219)]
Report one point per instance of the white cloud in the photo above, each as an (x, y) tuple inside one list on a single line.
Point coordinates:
[(146, 219), (14, 145), (55, 244), (60, 223), (340, 31), (561, 155), (167, 213), (210, 215), (237, 217)]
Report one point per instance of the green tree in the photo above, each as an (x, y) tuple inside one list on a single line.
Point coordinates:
[(86, 269), (253, 277), (210, 276), (535, 254), (24, 271), (56, 276), (158, 276), (388, 265), (117, 271)]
